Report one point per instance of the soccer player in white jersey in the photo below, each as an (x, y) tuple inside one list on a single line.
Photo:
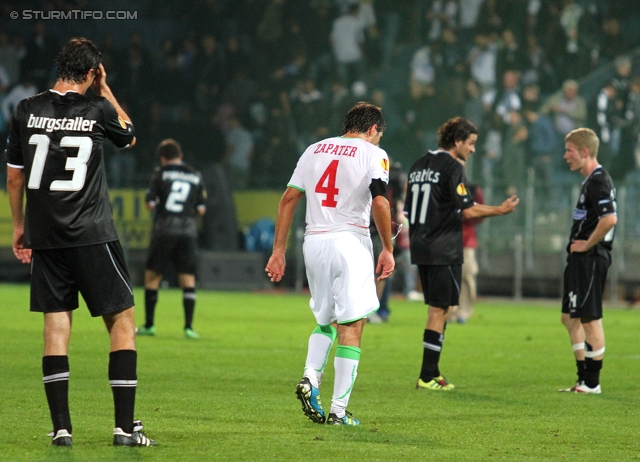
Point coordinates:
[(344, 180)]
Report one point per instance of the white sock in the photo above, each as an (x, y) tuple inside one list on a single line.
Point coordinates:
[(346, 367), (320, 343)]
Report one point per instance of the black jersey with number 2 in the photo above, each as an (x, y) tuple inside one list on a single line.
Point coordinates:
[(57, 139), (177, 191), (436, 196), (597, 199)]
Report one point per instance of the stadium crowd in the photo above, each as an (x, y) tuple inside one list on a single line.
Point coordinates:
[(248, 84)]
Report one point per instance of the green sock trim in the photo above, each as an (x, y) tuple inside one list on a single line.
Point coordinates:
[(348, 352), (329, 331)]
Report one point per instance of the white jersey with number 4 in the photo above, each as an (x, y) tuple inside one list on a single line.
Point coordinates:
[(335, 175)]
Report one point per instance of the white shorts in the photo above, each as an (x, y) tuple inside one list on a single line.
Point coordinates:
[(341, 276)]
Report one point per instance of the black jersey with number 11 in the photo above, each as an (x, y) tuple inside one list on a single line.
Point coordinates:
[(436, 196), (57, 139)]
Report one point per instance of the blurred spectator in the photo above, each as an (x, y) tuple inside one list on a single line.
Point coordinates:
[(42, 49), (438, 15), (210, 64), (568, 108), (610, 119), (482, 61), (469, 12), (511, 56), (504, 100), (451, 73), (632, 114), (423, 72), (538, 69), (489, 18), (307, 107), (25, 87), (237, 158), (542, 146), (11, 55), (468, 286), (514, 156), (347, 38)]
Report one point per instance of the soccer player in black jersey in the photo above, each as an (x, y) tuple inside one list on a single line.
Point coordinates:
[(589, 258), (177, 195), (437, 200), (66, 231)]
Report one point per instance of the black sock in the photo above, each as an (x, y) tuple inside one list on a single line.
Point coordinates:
[(592, 373), (150, 300), (123, 381), (436, 371), (432, 343), (55, 375), (581, 365), (189, 303)]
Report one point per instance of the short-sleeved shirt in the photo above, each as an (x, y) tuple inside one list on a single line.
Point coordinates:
[(177, 192), (57, 139), (437, 193), (597, 199), (335, 175)]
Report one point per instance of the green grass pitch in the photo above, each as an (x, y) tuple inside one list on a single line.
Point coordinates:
[(230, 395)]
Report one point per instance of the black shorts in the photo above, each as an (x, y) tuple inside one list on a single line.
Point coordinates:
[(97, 271), (584, 280), (180, 250), (441, 284)]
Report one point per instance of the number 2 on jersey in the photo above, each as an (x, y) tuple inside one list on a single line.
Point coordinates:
[(327, 185), (178, 196)]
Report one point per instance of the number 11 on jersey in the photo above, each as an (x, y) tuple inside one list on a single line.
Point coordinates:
[(327, 185)]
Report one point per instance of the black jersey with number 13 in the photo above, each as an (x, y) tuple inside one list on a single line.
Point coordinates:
[(436, 196), (57, 139)]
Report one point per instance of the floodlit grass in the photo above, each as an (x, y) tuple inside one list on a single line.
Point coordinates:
[(229, 395)]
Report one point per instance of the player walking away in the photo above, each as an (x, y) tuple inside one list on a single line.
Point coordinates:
[(67, 231), (437, 200), (589, 258), (344, 179), (178, 196)]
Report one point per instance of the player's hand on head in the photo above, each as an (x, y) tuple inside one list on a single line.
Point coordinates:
[(275, 267), (100, 81)]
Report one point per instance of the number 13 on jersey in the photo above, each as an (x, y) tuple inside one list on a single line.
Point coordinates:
[(327, 185)]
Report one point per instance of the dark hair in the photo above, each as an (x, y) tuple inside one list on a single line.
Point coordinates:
[(76, 59), (456, 129), (169, 149), (362, 117)]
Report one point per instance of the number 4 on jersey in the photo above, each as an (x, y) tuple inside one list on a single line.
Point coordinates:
[(327, 185)]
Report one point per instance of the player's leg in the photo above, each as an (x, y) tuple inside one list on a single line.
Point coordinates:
[(441, 286), (185, 260), (53, 293), (188, 284), (571, 291), (151, 285), (55, 374), (353, 288), (577, 337), (346, 364), (123, 378), (594, 336), (323, 336)]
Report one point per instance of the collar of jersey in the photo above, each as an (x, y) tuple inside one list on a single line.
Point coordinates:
[(62, 94)]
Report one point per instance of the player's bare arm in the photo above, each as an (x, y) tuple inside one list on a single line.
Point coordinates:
[(15, 188), (382, 216), (276, 264), (605, 224), (482, 210), (101, 88)]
